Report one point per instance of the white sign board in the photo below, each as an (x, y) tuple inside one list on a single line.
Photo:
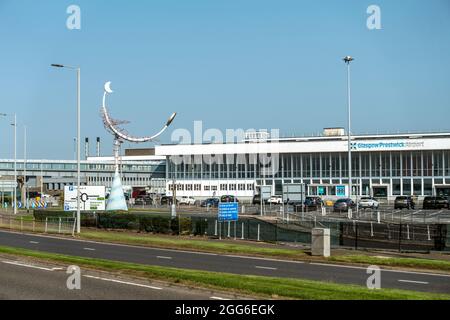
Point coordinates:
[(92, 198), (266, 192)]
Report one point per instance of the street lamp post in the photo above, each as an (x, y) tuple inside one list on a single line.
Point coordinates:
[(15, 161), (347, 60), (78, 139)]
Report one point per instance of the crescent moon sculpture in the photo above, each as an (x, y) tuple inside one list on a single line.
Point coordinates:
[(116, 199)]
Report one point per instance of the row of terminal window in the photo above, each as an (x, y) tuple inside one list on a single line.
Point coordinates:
[(222, 187)]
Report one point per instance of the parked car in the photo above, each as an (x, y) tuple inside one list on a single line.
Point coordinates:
[(436, 203), (166, 200), (143, 200), (368, 203), (256, 199), (344, 205), (188, 201), (313, 203), (228, 198), (275, 200), (210, 202), (404, 202)]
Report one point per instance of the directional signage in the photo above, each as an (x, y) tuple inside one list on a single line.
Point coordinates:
[(228, 211), (92, 198)]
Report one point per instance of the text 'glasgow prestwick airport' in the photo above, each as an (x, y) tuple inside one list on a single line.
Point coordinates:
[(386, 145)]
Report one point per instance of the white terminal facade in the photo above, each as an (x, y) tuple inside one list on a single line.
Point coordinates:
[(383, 166)]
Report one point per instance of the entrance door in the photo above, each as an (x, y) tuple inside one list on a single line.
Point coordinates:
[(380, 192)]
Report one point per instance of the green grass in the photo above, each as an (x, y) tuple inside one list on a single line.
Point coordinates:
[(429, 264), (200, 245), (255, 250), (250, 285)]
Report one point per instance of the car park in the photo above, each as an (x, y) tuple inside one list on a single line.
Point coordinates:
[(435, 203), (344, 205), (210, 202), (404, 202), (368, 203)]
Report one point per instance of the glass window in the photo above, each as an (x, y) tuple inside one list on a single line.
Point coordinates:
[(376, 164), (417, 187), (406, 187), (427, 187), (396, 187)]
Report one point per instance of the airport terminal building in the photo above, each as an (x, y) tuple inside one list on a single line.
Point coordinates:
[(383, 166)]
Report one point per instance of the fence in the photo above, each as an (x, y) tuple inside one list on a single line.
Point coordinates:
[(59, 225)]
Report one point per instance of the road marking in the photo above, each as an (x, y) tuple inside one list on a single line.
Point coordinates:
[(411, 281), (163, 257), (34, 242), (259, 258), (266, 268), (89, 249), (123, 282), (30, 266), (218, 298)]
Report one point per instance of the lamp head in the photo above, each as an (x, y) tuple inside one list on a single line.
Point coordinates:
[(172, 117), (348, 59)]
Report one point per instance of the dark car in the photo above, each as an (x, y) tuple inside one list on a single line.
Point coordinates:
[(344, 205), (404, 202), (210, 202), (256, 199), (228, 198), (313, 203), (143, 200), (166, 200), (435, 203)]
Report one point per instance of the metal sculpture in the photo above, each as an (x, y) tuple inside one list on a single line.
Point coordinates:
[(116, 199)]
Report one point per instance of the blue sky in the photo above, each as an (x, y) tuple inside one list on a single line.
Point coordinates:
[(232, 64)]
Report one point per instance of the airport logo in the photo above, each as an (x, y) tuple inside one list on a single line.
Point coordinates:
[(387, 145)]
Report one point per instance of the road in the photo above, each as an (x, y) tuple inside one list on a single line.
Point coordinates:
[(426, 282), (23, 280)]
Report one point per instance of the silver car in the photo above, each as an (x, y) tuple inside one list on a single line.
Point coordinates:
[(368, 203)]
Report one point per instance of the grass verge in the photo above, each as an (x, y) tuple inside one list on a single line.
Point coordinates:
[(199, 245), (415, 263), (251, 285), (255, 250)]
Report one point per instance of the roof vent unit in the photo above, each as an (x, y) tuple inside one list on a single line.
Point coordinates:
[(333, 132)]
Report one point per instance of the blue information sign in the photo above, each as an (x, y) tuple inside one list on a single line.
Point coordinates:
[(228, 211), (340, 191)]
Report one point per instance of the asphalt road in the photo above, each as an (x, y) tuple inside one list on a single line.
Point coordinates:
[(427, 282), (23, 280)]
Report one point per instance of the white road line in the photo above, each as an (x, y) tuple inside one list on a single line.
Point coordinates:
[(109, 243), (266, 268), (123, 282), (218, 298), (383, 270), (163, 257), (30, 266), (259, 258), (89, 249), (411, 281), (34, 242)]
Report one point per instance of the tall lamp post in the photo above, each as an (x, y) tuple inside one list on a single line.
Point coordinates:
[(347, 60), (78, 139), (14, 124)]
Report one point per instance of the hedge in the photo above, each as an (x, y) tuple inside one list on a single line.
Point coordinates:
[(142, 222)]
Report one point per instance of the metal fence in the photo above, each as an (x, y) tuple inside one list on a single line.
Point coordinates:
[(58, 225)]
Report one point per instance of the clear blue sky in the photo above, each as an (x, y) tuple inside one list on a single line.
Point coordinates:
[(232, 64)]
